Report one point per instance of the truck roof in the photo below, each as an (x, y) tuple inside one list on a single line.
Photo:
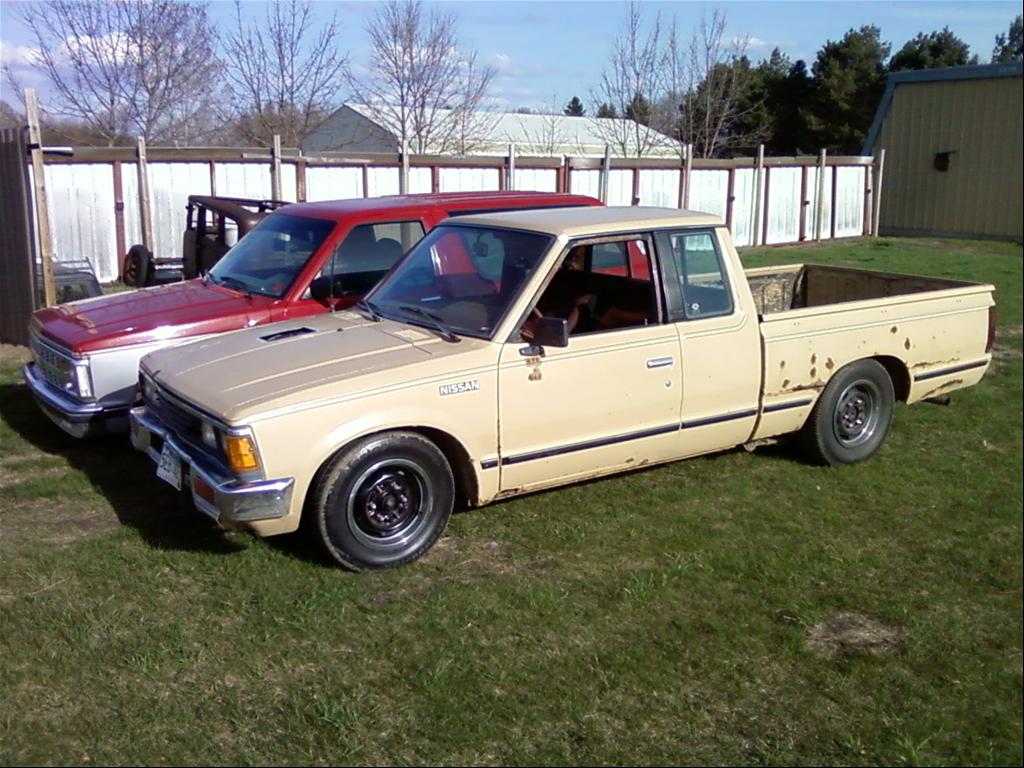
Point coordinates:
[(334, 209), (575, 222)]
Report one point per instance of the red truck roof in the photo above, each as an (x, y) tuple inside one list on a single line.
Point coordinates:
[(195, 308)]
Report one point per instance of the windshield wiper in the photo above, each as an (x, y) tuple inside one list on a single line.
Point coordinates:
[(238, 285), (434, 319), (367, 307)]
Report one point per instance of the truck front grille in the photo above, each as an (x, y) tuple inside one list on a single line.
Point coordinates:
[(55, 367)]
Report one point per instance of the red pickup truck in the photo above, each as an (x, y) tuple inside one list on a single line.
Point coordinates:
[(300, 260)]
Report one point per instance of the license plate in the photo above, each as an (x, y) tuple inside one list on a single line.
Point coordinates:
[(169, 468)]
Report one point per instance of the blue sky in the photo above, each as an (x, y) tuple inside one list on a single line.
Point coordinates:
[(550, 51)]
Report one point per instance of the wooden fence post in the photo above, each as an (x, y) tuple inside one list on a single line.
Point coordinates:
[(758, 194), (145, 212), (819, 209), (275, 168), (403, 171), (606, 169), (42, 204), (878, 192)]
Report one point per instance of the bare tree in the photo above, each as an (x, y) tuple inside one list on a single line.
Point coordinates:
[(419, 84), (285, 72), (708, 79), (632, 83), (125, 67)]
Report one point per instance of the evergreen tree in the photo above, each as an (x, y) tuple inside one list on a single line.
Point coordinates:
[(931, 51), (849, 78), (607, 110), (575, 108), (1010, 47)]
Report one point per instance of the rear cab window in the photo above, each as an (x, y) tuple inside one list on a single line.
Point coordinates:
[(700, 270)]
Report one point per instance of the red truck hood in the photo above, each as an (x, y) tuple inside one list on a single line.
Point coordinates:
[(171, 311)]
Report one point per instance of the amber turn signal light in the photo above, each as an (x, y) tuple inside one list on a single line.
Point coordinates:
[(241, 453)]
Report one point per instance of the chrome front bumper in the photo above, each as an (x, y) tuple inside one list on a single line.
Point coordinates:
[(76, 418), (215, 494)]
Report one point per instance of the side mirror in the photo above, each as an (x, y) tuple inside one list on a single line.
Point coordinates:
[(321, 289), (551, 332)]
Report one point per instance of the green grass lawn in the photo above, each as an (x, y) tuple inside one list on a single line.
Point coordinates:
[(734, 609)]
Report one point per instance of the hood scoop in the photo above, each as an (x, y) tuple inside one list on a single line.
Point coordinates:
[(287, 334)]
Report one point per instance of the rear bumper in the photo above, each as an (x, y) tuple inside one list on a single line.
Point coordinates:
[(225, 499), (76, 418)]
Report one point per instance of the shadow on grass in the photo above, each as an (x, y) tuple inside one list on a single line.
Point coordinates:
[(125, 477)]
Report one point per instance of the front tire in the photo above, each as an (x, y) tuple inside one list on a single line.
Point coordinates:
[(384, 501), (851, 419), (137, 266)]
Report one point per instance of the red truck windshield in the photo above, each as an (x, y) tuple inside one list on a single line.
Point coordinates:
[(269, 258), (464, 277)]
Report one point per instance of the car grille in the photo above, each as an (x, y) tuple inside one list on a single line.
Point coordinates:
[(54, 366), (178, 420)]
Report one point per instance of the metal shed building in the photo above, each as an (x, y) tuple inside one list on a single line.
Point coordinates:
[(954, 142)]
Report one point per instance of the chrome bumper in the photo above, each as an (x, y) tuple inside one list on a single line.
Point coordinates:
[(215, 494), (76, 418)]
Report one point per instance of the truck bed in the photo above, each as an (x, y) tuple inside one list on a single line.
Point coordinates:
[(800, 286)]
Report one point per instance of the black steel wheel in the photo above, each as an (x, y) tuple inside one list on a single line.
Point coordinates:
[(137, 264), (384, 501), (851, 418)]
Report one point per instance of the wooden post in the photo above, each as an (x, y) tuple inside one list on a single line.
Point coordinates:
[(819, 208), (562, 184), (635, 196), (689, 169), (403, 171), (730, 198), (878, 192), (510, 170), (767, 204), (275, 168), (145, 212), (39, 192), (606, 169), (869, 202), (213, 178), (833, 207), (366, 180), (804, 202), (758, 193), (119, 233), (300, 179)]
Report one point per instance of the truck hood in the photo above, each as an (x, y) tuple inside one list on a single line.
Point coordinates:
[(151, 314), (239, 376)]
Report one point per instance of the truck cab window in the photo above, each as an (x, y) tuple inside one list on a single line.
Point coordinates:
[(600, 287), (705, 286), (366, 253)]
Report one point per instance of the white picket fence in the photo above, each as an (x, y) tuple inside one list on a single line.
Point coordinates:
[(95, 210)]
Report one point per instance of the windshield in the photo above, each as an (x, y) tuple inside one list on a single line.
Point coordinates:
[(269, 258), (462, 277)]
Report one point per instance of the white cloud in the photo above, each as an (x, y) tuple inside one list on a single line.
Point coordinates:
[(18, 55)]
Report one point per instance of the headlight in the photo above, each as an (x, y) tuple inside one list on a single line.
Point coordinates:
[(83, 379), (209, 435)]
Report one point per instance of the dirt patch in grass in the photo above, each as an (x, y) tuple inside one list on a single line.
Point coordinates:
[(52, 521), (9, 353), (462, 561), (848, 633)]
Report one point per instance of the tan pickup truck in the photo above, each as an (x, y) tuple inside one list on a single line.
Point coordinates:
[(512, 352)]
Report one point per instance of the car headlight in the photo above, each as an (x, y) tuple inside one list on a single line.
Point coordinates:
[(209, 435), (83, 379)]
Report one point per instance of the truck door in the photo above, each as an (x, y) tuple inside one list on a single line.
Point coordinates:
[(719, 339), (610, 399)]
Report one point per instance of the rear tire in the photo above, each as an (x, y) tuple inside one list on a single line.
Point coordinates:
[(137, 266), (851, 419), (383, 501)]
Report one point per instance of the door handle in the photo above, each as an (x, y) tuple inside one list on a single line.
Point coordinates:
[(659, 362)]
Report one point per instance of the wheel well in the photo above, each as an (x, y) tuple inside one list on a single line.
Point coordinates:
[(898, 374), (458, 459), (454, 452)]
